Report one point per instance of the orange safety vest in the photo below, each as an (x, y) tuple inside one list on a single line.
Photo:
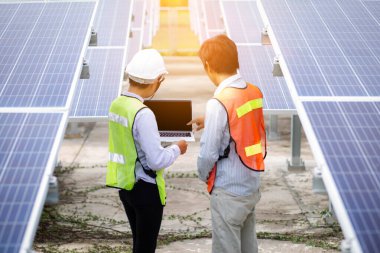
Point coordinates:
[(244, 108)]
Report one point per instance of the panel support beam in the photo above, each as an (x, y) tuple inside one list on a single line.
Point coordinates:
[(73, 131), (296, 162), (273, 128)]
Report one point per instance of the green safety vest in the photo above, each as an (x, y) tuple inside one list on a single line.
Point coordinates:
[(122, 150)]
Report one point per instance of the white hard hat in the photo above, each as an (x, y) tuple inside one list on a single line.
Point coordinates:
[(145, 66)]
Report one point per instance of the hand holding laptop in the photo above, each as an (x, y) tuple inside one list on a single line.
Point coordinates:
[(199, 122)]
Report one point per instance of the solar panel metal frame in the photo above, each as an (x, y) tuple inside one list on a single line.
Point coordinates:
[(141, 14), (268, 111), (278, 82), (35, 215), (228, 31), (148, 26), (331, 187), (211, 32), (351, 148), (78, 113), (337, 44), (27, 241), (104, 2), (81, 118), (79, 64), (137, 36)]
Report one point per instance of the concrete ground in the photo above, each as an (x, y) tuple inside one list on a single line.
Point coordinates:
[(90, 218)]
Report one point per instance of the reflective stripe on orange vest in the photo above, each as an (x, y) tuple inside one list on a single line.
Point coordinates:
[(249, 106), (244, 108)]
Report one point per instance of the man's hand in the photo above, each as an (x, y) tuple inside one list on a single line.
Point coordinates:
[(199, 122), (182, 146)]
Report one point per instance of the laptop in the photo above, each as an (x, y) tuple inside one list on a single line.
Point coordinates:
[(172, 117)]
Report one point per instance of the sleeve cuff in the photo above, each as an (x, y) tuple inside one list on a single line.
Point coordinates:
[(176, 150)]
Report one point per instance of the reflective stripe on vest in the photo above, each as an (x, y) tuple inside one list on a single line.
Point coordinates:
[(116, 158), (253, 150), (122, 149), (249, 106), (118, 119)]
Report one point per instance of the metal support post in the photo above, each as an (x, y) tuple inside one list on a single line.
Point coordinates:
[(296, 162), (273, 128), (73, 131)]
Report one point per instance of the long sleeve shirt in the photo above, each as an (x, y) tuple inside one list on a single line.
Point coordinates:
[(232, 176), (150, 153)]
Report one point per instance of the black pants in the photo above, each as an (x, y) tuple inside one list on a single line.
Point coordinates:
[(144, 211)]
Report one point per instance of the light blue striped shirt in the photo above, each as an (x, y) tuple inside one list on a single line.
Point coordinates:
[(232, 176)]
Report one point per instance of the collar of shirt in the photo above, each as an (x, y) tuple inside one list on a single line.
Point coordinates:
[(235, 81), (130, 94)]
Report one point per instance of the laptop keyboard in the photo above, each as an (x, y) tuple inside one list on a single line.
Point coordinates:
[(171, 134)]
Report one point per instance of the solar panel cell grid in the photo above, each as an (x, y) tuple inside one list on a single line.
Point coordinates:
[(25, 147), (39, 53), (373, 7), (93, 96), (111, 22), (348, 133), (213, 14), (256, 64), (135, 44), (325, 40), (138, 14), (243, 21)]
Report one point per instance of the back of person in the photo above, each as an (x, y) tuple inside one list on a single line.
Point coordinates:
[(137, 159), (233, 148)]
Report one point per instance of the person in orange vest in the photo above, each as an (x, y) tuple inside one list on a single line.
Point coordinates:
[(233, 148)]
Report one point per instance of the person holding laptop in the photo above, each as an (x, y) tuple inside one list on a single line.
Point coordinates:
[(136, 157), (233, 148)]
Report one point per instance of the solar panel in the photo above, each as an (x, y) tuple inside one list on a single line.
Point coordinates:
[(242, 21), (149, 23), (213, 15), (138, 12), (93, 96), (374, 8), (106, 61), (135, 44), (40, 49), (348, 134), (112, 22), (256, 64), (330, 48), (28, 146)]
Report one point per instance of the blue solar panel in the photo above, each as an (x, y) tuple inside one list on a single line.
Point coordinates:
[(93, 96), (242, 21), (256, 64), (134, 44), (26, 144), (6, 13), (330, 48), (349, 134), (40, 50), (139, 11), (148, 24), (112, 22), (374, 8), (213, 15)]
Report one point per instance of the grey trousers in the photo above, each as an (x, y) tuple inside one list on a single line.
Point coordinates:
[(233, 222)]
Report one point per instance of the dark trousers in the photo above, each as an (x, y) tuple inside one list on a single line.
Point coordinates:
[(144, 211)]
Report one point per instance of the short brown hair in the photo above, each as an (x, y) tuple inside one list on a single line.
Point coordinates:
[(221, 54)]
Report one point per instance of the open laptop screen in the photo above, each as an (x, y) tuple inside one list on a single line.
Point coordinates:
[(171, 115)]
